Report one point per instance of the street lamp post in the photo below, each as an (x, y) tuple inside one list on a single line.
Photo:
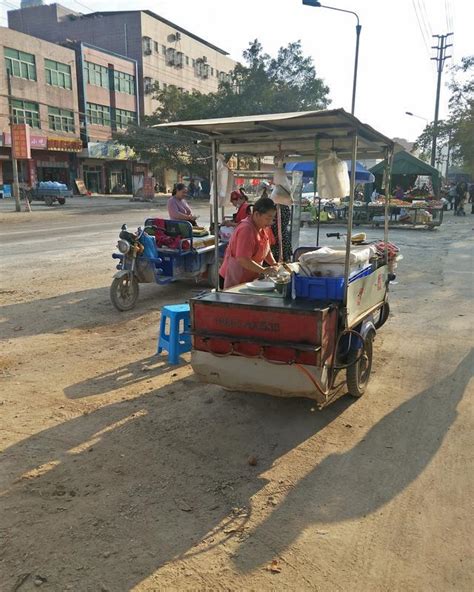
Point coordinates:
[(316, 4), (417, 116)]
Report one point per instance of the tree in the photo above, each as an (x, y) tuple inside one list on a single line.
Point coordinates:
[(457, 131), (287, 82)]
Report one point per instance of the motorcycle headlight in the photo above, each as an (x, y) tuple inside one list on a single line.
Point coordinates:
[(123, 246)]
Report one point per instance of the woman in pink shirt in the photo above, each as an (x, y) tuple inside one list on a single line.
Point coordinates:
[(249, 247), (178, 208)]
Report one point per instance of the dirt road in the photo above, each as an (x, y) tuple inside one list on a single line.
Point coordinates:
[(121, 473)]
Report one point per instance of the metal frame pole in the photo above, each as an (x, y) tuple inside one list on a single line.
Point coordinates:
[(354, 84), (349, 223), (216, 206), (315, 187), (16, 185), (387, 188)]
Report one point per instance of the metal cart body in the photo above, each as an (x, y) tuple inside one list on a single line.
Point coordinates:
[(264, 343)]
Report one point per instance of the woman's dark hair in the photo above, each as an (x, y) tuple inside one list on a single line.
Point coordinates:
[(264, 205), (243, 194), (178, 187)]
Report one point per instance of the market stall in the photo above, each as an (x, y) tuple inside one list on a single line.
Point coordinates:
[(296, 338)]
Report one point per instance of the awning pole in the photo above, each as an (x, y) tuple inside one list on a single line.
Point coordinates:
[(349, 225), (387, 189), (216, 207), (315, 185)]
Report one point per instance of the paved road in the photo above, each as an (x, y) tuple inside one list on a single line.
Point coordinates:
[(119, 472)]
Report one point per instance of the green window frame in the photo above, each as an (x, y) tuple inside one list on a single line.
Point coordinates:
[(61, 120), (96, 75), (20, 64), (124, 83), (124, 118), (98, 114), (58, 74), (26, 112)]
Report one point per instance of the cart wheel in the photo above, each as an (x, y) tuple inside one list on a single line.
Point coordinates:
[(48, 200), (61, 201), (124, 292), (384, 314), (358, 373)]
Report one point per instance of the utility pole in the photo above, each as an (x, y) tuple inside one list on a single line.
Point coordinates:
[(440, 58), (16, 186)]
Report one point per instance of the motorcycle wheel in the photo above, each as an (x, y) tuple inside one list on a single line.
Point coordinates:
[(124, 292)]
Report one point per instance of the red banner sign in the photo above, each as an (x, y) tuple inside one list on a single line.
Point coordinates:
[(32, 177), (21, 141), (148, 187)]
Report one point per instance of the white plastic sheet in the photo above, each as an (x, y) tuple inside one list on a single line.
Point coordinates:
[(225, 183), (281, 193), (333, 178)]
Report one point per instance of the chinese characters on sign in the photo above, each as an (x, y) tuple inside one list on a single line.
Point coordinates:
[(21, 141), (64, 144)]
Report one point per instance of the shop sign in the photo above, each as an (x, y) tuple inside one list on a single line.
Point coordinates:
[(21, 141), (110, 151), (65, 144), (36, 142)]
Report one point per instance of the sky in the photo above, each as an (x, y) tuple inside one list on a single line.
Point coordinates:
[(395, 71)]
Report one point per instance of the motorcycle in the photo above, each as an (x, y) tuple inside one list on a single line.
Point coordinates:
[(164, 251)]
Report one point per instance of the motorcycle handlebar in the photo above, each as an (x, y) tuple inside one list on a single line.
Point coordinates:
[(331, 234)]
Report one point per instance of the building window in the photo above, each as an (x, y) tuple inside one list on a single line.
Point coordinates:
[(98, 114), (124, 82), (194, 63), (20, 64), (58, 74), (147, 45), (124, 118), (163, 49), (187, 60), (96, 75), (156, 46), (26, 112), (61, 120), (212, 71)]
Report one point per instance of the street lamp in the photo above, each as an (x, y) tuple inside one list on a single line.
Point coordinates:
[(316, 4), (417, 116)]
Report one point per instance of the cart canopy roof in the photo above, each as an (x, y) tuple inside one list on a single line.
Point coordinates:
[(292, 134), (405, 163)]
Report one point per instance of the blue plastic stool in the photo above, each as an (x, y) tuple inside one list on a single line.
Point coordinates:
[(178, 340)]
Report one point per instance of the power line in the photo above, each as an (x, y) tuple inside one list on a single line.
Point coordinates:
[(422, 31), (83, 5), (425, 17)]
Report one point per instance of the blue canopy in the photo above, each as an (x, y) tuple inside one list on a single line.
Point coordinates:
[(307, 168)]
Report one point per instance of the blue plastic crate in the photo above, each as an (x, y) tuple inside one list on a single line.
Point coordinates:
[(325, 288)]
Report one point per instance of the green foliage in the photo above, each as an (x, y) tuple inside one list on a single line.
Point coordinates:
[(287, 82), (458, 129)]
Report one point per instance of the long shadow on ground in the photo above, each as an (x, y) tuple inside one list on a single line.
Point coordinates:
[(114, 495)]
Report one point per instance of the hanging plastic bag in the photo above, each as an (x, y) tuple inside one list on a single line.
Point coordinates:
[(333, 178), (225, 183), (281, 193)]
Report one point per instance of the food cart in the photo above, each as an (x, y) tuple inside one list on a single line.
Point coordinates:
[(295, 344)]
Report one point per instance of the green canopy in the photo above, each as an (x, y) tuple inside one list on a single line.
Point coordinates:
[(405, 169)]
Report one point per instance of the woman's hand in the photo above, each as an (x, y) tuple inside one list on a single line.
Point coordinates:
[(271, 270)]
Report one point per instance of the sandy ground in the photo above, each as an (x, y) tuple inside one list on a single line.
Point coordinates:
[(119, 472)]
